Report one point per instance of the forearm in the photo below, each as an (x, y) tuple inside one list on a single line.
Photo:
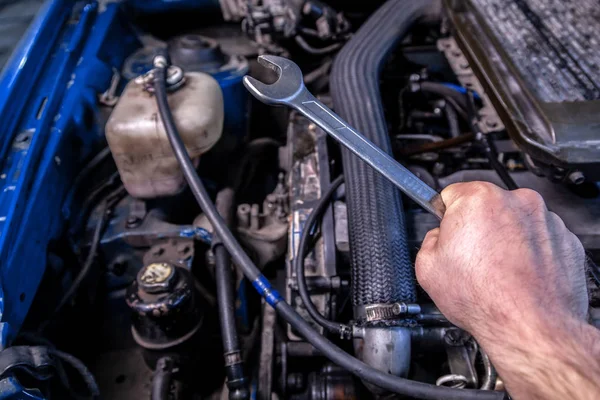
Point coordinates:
[(557, 359)]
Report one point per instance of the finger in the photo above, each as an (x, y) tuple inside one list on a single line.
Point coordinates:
[(457, 193), (531, 201), (430, 240), (555, 222), (451, 193), (425, 257)]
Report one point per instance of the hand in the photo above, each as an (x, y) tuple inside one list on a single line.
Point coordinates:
[(499, 257), (507, 270)]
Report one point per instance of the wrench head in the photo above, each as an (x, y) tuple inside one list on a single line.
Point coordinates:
[(289, 85)]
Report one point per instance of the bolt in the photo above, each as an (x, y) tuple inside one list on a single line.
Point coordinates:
[(491, 123), (183, 249), (438, 168), (576, 177), (296, 381), (456, 337), (133, 221)]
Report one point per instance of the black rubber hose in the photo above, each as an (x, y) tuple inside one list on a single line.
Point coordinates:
[(452, 118), (261, 284), (456, 99), (382, 271), (333, 327), (161, 380), (234, 370), (80, 367), (316, 50)]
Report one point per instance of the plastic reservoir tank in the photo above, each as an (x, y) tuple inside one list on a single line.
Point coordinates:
[(137, 138), (196, 53)]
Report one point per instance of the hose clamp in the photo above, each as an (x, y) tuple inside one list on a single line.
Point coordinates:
[(384, 311)]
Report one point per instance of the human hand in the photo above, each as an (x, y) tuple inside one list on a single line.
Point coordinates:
[(500, 257), (507, 270)]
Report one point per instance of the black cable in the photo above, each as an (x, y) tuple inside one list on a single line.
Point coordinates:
[(452, 118), (311, 221), (161, 380), (244, 263), (487, 145), (89, 167), (91, 200), (318, 72), (489, 149), (107, 204)]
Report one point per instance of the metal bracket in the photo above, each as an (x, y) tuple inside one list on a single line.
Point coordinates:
[(490, 120)]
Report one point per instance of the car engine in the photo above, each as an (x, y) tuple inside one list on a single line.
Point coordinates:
[(165, 235)]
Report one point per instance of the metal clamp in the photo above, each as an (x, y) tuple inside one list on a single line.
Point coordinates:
[(380, 312)]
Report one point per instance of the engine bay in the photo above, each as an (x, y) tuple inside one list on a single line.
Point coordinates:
[(276, 263)]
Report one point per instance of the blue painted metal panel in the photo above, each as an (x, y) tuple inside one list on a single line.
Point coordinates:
[(21, 72), (53, 132)]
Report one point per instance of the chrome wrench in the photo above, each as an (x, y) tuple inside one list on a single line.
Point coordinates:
[(289, 90)]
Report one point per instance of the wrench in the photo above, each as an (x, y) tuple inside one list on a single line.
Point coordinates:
[(289, 90)]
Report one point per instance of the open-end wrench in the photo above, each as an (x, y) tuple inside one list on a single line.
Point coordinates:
[(289, 90)]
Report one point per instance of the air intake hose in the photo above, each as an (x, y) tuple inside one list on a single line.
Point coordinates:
[(381, 267)]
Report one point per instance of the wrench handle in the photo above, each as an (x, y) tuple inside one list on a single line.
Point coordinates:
[(406, 181)]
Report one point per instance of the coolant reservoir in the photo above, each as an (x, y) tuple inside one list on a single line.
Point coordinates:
[(139, 143)]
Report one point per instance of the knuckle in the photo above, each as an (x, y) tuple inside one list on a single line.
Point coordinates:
[(485, 188), (556, 221), (485, 193), (530, 197)]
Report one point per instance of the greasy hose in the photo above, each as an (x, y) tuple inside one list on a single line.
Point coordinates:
[(234, 367), (161, 380), (261, 284), (381, 268)]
